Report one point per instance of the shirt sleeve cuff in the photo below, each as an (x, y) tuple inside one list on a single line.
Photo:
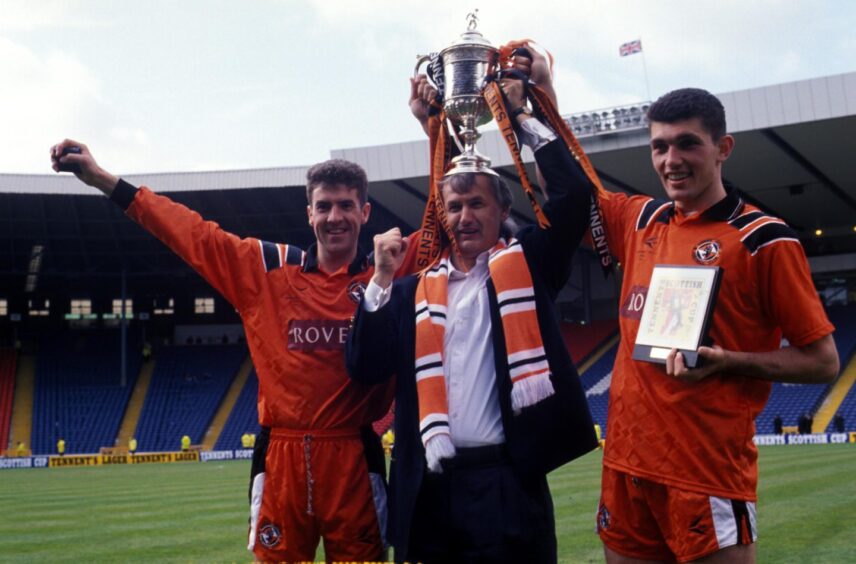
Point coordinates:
[(375, 297), (124, 194), (535, 134)]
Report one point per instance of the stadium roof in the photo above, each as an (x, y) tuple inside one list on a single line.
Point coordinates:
[(793, 157)]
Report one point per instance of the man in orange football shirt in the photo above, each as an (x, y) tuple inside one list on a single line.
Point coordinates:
[(318, 467), (680, 467)]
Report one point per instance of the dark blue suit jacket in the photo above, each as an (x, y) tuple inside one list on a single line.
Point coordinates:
[(540, 438)]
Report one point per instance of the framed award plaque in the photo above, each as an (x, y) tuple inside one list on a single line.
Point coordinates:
[(677, 313)]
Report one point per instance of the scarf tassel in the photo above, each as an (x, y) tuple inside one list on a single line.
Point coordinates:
[(530, 391), (438, 447)]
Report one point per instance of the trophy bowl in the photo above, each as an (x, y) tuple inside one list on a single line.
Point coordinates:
[(466, 65)]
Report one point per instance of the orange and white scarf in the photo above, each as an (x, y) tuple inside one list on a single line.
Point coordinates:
[(527, 361)]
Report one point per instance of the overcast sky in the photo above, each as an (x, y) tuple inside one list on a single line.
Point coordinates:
[(159, 86)]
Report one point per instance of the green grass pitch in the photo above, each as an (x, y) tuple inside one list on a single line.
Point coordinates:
[(196, 512)]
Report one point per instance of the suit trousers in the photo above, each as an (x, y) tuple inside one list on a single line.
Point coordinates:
[(480, 510)]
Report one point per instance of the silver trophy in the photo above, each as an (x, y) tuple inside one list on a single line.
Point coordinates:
[(459, 73)]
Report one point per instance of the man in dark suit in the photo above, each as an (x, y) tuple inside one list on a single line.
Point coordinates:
[(480, 419)]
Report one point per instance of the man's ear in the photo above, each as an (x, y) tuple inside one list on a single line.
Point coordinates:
[(366, 212), (725, 145)]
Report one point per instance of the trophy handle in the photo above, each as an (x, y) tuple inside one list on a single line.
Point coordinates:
[(421, 60)]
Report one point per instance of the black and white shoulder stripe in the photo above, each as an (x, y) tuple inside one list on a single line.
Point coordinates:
[(274, 253), (653, 211), (767, 233)]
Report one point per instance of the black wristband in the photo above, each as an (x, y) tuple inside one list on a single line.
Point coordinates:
[(123, 194), (517, 111)]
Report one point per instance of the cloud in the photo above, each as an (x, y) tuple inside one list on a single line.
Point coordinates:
[(29, 15), (129, 136), (576, 92), (39, 100), (21, 15), (45, 99)]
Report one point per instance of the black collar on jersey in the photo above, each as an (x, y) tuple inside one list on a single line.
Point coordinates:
[(359, 264), (727, 208)]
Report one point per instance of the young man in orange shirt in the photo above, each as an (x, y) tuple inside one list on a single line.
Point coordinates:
[(318, 468), (680, 468)]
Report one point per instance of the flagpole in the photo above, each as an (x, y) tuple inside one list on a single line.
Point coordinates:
[(645, 69)]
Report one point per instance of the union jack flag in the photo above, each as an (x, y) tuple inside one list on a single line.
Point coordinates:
[(630, 47)]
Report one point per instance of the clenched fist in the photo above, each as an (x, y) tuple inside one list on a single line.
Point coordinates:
[(87, 170), (390, 249)]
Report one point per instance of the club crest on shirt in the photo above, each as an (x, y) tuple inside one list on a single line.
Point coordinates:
[(269, 535), (356, 291), (707, 251)]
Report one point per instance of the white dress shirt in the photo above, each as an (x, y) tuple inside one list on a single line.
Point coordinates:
[(468, 362)]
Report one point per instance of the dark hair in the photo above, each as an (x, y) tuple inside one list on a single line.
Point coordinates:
[(463, 182), (337, 171), (689, 103)]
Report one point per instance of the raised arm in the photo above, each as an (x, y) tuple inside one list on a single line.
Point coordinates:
[(371, 349), (567, 188), (230, 264)]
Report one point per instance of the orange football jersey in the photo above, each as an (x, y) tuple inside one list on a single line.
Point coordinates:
[(296, 316), (698, 436)]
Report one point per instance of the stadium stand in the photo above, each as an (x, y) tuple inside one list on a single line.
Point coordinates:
[(244, 417), (842, 399), (595, 381), (227, 406), (844, 319), (790, 401), (78, 394), (187, 386), (847, 408), (135, 405), (21, 428), (8, 358)]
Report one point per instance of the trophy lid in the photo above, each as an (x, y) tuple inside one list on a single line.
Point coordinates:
[(472, 36)]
